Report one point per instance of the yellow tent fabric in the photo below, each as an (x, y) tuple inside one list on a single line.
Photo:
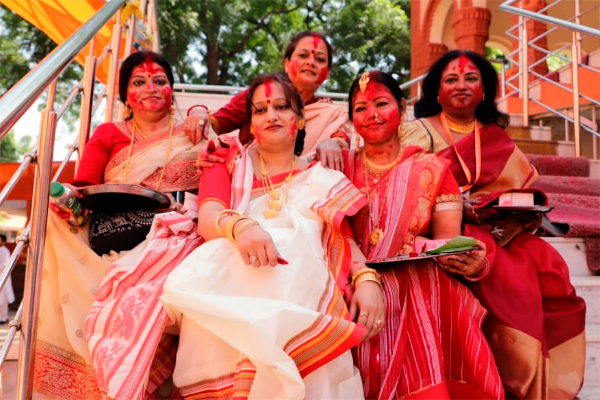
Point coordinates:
[(59, 19)]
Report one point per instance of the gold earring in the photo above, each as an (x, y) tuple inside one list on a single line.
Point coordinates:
[(301, 123), (357, 140), (127, 111), (172, 110), (438, 99), (252, 130), (483, 98)]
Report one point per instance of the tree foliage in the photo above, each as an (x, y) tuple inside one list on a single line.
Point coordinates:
[(10, 150), (227, 42)]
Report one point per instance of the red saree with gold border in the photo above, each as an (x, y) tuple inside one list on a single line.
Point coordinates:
[(536, 321)]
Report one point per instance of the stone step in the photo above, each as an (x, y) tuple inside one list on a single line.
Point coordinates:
[(591, 384), (589, 289), (573, 250)]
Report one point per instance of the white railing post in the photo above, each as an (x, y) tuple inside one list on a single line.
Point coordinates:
[(87, 100), (575, 75), (111, 83), (524, 69)]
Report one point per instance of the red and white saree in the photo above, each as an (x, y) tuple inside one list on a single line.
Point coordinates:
[(431, 345), (72, 271), (270, 333)]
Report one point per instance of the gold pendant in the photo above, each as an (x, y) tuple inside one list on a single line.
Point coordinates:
[(274, 205), (270, 214), (375, 236), (275, 195)]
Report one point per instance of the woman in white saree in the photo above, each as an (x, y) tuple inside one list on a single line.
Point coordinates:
[(260, 305)]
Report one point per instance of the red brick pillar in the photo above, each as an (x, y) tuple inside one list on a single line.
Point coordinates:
[(471, 28), (424, 57)]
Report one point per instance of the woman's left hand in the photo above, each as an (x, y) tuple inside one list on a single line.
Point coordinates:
[(329, 153), (465, 264), (367, 308)]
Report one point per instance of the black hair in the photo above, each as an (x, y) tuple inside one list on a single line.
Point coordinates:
[(136, 59), (291, 47), (3, 237), (486, 111), (290, 92), (382, 77)]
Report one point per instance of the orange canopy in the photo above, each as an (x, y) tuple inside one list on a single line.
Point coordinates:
[(59, 19), (24, 188)]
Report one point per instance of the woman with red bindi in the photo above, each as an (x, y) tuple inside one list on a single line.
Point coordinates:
[(430, 344), (535, 322), (147, 149), (263, 294), (307, 60)]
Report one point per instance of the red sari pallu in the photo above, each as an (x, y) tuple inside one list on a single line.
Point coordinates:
[(536, 322)]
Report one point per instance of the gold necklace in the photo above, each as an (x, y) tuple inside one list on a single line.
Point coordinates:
[(379, 170), (454, 127), (164, 167), (273, 200), (377, 233)]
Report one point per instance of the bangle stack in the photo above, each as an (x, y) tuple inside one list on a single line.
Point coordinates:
[(365, 274), (229, 228)]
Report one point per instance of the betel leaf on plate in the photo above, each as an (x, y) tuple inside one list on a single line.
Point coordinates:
[(459, 243)]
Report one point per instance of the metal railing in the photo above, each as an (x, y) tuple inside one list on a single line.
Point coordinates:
[(13, 106), (519, 58), (185, 87)]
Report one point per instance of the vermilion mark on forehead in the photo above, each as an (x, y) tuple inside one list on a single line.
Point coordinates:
[(316, 40), (268, 88), (462, 62)]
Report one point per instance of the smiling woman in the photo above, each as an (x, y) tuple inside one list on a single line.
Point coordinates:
[(147, 149), (264, 294), (307, 60)]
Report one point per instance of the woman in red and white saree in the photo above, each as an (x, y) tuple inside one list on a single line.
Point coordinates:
[(72, 271), (260, 305), (431, 344), (536, 322)]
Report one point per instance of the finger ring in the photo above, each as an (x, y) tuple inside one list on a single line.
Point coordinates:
[(338, 159), (378, 323), (197, 164), (363, 314), (201, 123), (252, 259), (465, 268)]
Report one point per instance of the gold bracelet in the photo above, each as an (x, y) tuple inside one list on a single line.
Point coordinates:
[(230, 224), (227, 211), (248, 223), (363, 271), (368, 277)]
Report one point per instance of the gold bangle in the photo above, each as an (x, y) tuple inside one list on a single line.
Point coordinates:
[(368, 277), (247, 223), (363, 271), (218, 220), (230, 224)]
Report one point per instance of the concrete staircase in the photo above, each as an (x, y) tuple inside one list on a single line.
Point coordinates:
[(587, 286)]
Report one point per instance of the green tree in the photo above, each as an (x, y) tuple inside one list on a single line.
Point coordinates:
[(9, 151), (233, 40)]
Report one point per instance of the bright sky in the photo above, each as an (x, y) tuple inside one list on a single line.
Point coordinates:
[(29, 125)]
